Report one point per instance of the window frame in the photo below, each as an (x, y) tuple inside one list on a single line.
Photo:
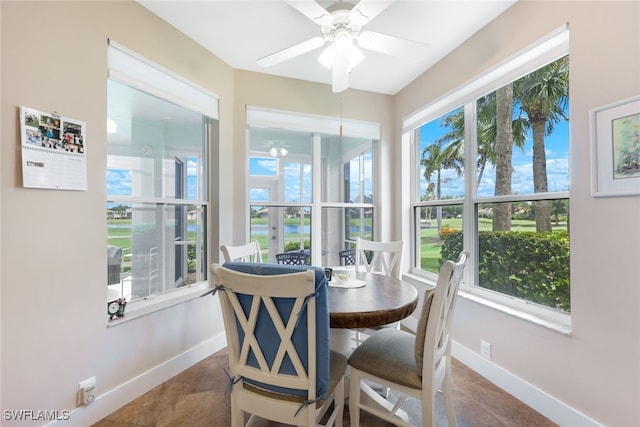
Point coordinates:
[(318, 127), (552, 47), (137, 72)]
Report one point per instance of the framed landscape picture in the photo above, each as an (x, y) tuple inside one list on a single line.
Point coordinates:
[(615, 149)]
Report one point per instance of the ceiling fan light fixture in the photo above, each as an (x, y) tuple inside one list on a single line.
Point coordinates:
[(278, 151), (112, 126), (327, 57), (342, 40)]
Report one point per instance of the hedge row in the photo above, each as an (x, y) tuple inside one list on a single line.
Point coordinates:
[(527, 265)]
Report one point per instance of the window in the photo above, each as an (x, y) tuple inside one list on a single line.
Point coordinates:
[(491, 174), (157, 197), (308, 181)]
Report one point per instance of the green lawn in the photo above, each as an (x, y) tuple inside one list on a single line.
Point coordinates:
[(430, 243), (120, 234)]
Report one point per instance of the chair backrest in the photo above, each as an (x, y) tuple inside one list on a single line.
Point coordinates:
[(293, 258), (249, 252), (347, 257), (276, 320), (433, 341), (382, 257)]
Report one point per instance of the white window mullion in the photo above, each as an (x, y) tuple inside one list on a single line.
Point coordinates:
[(316, 197), (469, 223)]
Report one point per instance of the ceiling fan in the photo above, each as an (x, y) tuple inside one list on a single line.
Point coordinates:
[(340, 25)]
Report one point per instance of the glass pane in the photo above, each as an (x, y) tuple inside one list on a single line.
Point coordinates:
[(196, 185), (347, 166), (441, 154), (367, 179), (148, 135), (297, 182), (360, 223), (340, 228), (281, 229), (155, 150), (523, 263), (196, 246), (138, 246), (523, 134), (279, 165), (119, 182), (440, 227)]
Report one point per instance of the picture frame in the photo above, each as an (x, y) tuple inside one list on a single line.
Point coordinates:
[(615, 148)]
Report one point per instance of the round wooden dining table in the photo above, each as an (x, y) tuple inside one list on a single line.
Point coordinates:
[(382, 300)]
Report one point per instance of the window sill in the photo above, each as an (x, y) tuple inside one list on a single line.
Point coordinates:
[(140, 308), (559, 323)]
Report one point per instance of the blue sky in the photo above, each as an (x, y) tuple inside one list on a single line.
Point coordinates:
[(557, 154), (266, 166), (120, 182)]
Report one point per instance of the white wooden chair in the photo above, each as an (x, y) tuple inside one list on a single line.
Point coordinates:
[(378, 257), (417, 365), (249, 252), (277, 326)]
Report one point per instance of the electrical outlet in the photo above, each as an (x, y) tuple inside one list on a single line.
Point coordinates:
[(485, 349), (87, 391)]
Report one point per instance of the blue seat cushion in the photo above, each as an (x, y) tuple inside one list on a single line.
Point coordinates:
[(265, 330)]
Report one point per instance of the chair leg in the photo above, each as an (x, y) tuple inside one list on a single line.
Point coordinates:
[(338, 402), (447, 392), (428, 408), (237, 416), (354, 399)]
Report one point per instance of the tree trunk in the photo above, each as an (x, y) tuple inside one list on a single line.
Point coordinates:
[(504, 154), (542, 207)]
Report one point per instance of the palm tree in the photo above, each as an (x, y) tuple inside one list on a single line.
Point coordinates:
[(543, 95), (455, 139), (435, 159), (498, 132), (503, 156)]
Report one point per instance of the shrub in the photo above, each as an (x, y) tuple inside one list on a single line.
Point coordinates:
[(527, 265), (445, 230), (295, 246)]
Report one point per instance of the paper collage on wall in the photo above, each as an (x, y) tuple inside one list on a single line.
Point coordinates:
[(53, 151)]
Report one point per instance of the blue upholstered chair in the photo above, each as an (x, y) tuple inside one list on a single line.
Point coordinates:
[(276, 321)]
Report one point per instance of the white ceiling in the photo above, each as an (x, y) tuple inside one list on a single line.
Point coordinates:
[(239, 32)]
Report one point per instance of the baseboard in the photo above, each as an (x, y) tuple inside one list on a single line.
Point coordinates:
[(547, 405), (115, 398)]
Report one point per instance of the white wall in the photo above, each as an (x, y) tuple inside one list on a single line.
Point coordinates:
[(596, 369), (54, 324)]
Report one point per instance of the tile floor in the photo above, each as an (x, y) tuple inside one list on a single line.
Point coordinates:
[(196, 398)]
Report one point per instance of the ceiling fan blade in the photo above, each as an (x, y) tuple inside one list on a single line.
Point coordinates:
[(366, 10), (311, 10), (390, 45), (291, 52), (340, 73)]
